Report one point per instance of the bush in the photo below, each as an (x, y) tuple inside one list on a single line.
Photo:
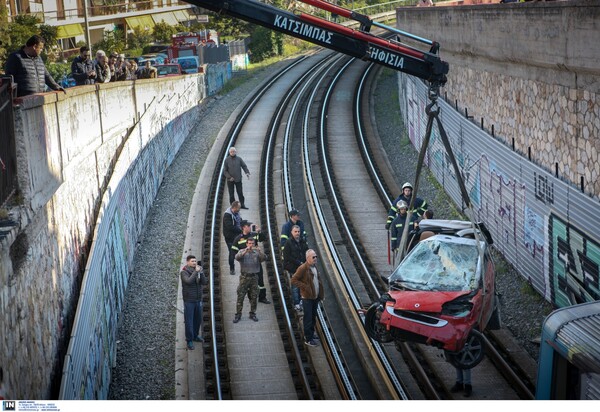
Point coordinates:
[(59, 70), (113, 41)]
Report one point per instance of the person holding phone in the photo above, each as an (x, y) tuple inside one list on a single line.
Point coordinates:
[(250, 259), (192, 279), (240, 243)]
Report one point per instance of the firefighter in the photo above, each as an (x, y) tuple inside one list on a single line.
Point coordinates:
[(419, 205)]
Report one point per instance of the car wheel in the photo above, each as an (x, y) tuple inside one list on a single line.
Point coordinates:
[(375, 329), (470, 355), (495, 322)]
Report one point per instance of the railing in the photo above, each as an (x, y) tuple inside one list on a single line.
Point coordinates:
[(8, 156), (108, 7)]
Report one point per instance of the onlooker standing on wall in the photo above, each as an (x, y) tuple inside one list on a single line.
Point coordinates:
[(102, 69), (133, 70), (121, 68), (232, 226), (250, 259), (82, 68), (149, 72), (192, 279), (28, 69), (308, 280), (233, 173)]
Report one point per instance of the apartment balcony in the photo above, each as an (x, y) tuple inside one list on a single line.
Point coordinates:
[(114, 10)]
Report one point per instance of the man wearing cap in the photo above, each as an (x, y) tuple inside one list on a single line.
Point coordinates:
[(419, 205), (250, 230), (250, 259), (286, 229)]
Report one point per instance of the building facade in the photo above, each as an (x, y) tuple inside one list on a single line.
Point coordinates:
[(87, 20)]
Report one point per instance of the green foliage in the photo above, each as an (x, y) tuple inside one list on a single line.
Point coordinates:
[(227, 26), (51, 52), (139, 38), (4, 36), (163, 32), (263, 45), (113, 41), (21, 29), (58, 70)]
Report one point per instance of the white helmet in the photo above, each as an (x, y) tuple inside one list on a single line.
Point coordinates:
[(405, 185), (401, 205)]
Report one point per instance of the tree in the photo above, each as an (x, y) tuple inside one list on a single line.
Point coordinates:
[(21, 29), (139, 38), (4, 36), (51, 51), (164, 31), (113, 41), (227, 26), (263, 44)]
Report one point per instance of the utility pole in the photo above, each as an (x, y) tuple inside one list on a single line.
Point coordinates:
[(87, 25)]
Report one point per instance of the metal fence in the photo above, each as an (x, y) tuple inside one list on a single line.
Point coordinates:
[(8, 156), (211, 54), (545, 227)]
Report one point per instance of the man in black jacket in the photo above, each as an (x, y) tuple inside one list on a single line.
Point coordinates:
[(82, 68), (28, 69), (192, 279), (294, 254), (231, 228)]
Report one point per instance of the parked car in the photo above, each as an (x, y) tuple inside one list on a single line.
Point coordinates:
[(170, 69), (442, 293), (189, 64), (155, 59)]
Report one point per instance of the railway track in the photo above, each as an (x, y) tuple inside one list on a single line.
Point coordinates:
[(299, 169)]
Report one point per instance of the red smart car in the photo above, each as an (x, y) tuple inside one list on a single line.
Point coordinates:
[(442, 293)]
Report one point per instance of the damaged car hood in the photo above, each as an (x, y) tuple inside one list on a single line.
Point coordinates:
[(423, 301)]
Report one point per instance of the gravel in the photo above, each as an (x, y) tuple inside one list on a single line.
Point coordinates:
[(146, 335), (522, 308)]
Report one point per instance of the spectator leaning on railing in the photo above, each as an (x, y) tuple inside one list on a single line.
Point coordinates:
[(82, 67), (28, 69)]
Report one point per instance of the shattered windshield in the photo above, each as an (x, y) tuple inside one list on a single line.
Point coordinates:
[(440, 263)]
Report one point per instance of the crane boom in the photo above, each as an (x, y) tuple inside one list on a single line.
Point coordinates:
[(356, 43)]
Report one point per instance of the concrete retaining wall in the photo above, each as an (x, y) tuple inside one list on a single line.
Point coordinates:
[(69, 148), (530, 70)]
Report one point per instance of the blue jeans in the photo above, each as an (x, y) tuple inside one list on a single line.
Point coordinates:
[(192, 314), (463, 376), (295, 295), (310, 307)]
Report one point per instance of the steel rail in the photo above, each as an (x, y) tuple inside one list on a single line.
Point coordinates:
[(272, 240), (394, 381), (383, 194), (316, 208), (215, 215)]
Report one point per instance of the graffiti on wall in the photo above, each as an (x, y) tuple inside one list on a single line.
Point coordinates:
[(573, 264)]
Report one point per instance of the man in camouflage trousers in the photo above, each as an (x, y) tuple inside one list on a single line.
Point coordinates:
[(250, 259)]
